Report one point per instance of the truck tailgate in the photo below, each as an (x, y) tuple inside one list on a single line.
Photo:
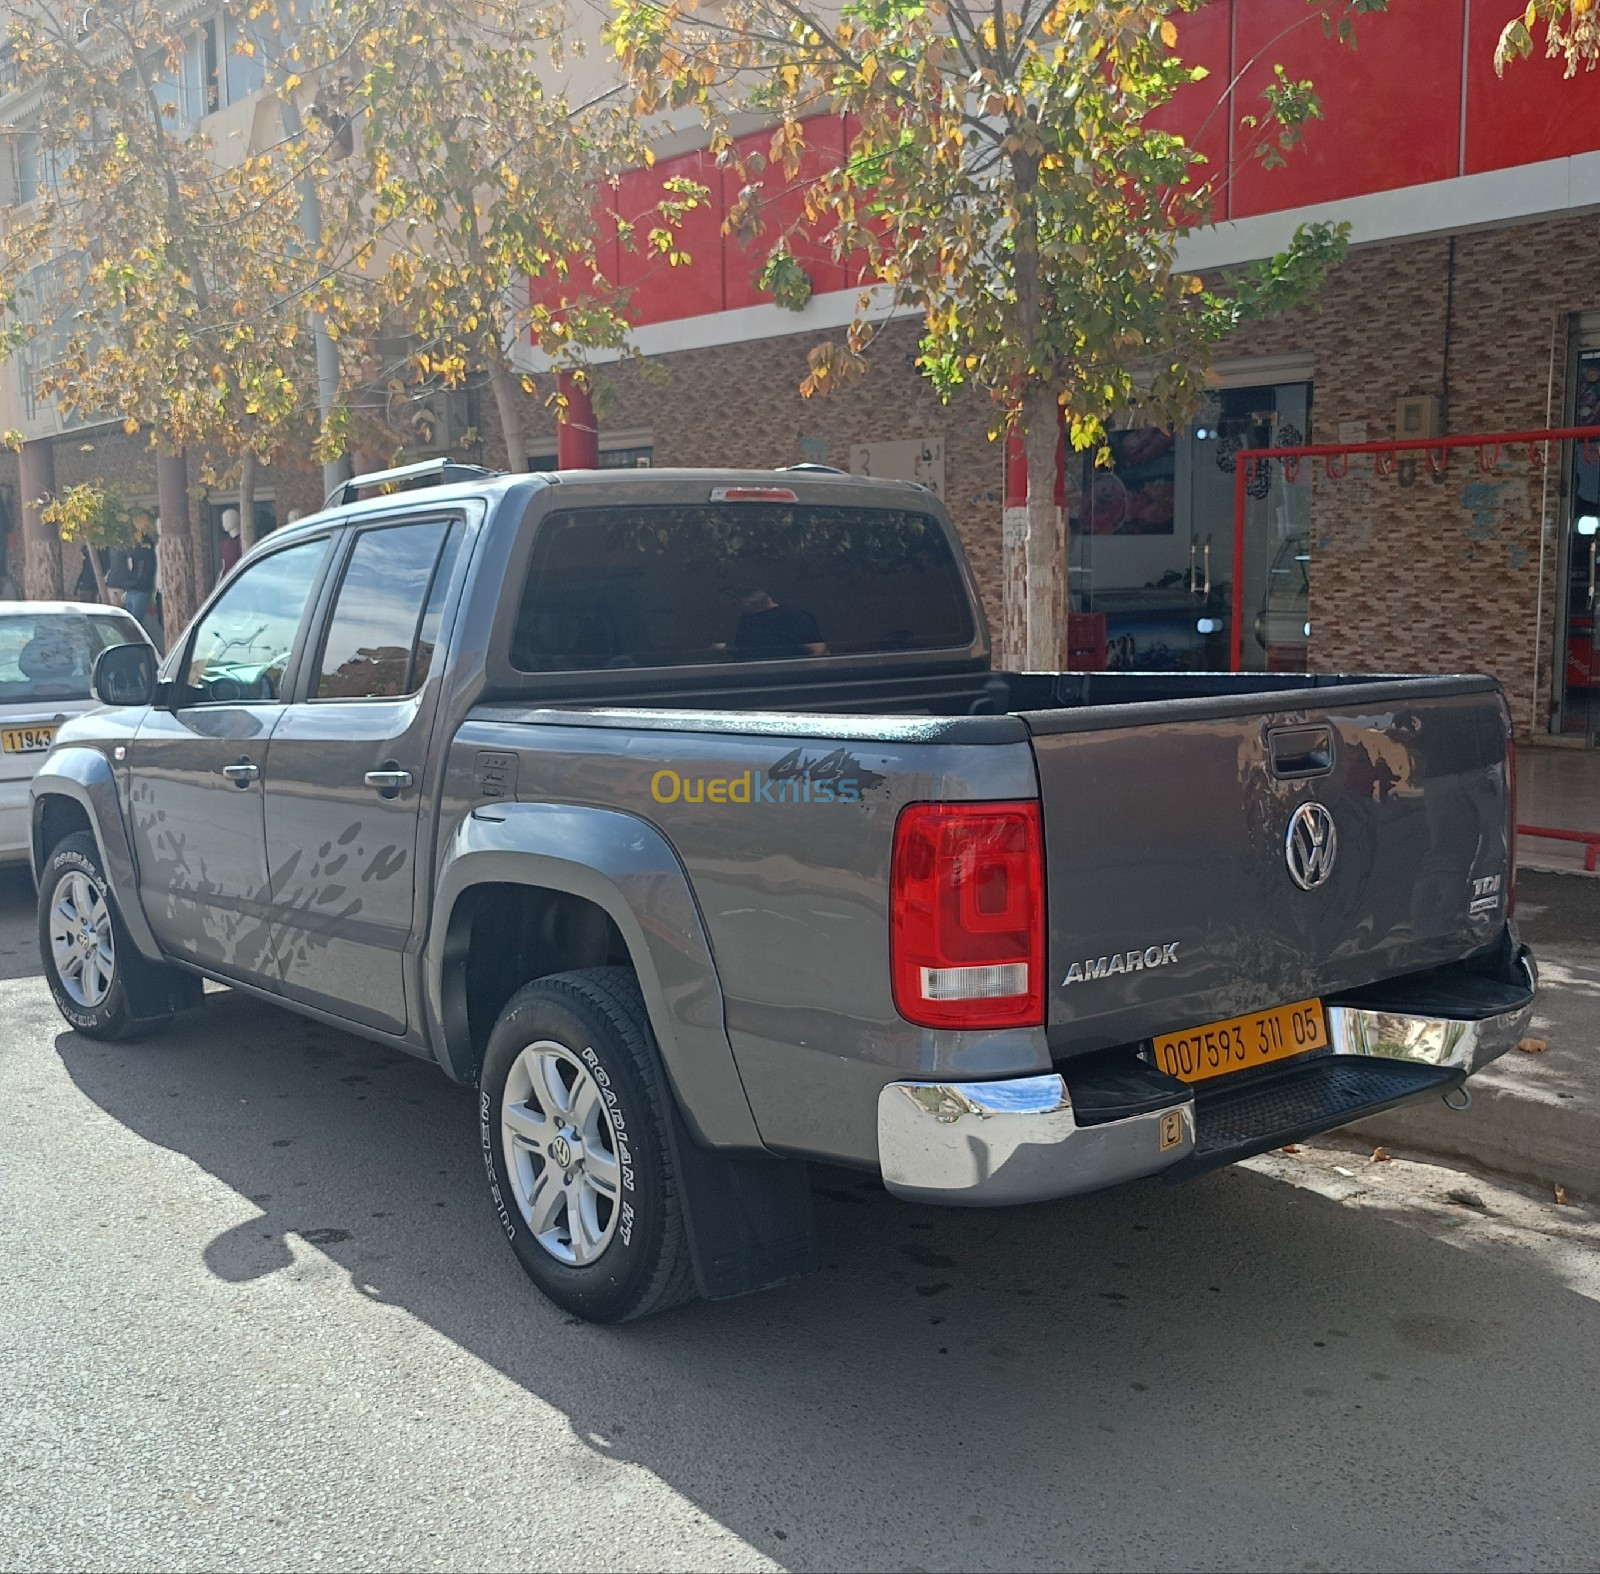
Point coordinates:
[(1173, 898)]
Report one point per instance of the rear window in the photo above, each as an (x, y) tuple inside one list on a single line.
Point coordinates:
[(50, 655), (669, 586)]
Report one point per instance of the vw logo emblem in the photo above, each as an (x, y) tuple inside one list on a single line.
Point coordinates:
[(560, 1152), (1311, 846)]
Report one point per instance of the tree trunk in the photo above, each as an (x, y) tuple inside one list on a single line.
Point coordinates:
[(99, 576), (247, 501), (174, 545), (1045, 642), (41, 547), (508, 402), (1046, 649), (41, 570)]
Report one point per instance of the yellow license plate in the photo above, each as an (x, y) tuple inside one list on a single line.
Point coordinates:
[(27, 740), (1242, 1042)]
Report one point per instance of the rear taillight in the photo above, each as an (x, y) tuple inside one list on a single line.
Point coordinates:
[(1511, 829), (966, 915)]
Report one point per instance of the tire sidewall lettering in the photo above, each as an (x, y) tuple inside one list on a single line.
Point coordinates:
[(497, 1196), (59, 864), (619, 1126)]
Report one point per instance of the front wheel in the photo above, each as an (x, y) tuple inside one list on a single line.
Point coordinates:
[(573, 1124), (81, 941)]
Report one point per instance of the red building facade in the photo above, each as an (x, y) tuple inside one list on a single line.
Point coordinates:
[(1470, 299)]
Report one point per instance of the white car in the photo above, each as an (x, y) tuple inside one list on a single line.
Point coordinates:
[(47, 654)]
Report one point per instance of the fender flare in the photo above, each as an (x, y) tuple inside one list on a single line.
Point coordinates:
[(627, 868), (85, 776)]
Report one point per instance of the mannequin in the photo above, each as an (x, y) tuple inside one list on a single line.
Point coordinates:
[(228, 549)]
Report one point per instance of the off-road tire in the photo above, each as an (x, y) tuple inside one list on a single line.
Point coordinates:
[(599, 1016), (113, 1017)]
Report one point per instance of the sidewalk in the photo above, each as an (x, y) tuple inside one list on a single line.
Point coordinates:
[(1533, 1117), (1556, 787)]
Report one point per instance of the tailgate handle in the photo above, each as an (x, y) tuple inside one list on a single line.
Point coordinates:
[(1302, 752)]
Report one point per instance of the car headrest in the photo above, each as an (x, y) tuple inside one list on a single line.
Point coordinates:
[(48, 656)]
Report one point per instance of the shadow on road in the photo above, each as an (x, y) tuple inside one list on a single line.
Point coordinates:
[(19, 933), (1558, 909), (1234, 1372)]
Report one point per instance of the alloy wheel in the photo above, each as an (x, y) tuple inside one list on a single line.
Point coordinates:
[(561, 1153), (81, 942)]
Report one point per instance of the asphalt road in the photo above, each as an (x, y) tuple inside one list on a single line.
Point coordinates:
[(255, 1313)]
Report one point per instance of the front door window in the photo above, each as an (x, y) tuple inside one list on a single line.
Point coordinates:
[(241, 647)]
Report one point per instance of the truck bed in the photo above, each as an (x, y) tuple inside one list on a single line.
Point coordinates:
[(1164, 801), (969, 692)]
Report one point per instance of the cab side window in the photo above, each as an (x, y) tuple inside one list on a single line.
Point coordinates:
[(385, 622), (242, 646)]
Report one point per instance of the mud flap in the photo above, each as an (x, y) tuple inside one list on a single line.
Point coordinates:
[(749, 1217), (157, 991)]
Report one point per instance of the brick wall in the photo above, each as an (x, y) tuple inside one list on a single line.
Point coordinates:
[(1407, 574), (1441, 575)]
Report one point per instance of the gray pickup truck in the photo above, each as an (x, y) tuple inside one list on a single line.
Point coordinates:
[(683, 815)]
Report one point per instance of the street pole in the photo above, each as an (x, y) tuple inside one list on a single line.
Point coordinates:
[(339, 470)]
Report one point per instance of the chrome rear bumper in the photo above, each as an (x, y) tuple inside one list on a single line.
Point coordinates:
[(990, 1143), (1456, 1043), (986, 1144)]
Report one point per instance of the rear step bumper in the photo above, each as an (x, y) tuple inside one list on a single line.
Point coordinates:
[(1233, 1123), (985, 1144)]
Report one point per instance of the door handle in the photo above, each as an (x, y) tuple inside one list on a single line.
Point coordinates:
[(1208, 565), (1594, 549), (243, 772), (389, 781), (1194, 583)]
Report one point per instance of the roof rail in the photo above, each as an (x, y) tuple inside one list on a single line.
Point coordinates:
[(430, 472)]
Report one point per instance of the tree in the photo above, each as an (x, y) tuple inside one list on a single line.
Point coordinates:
[(470, 177), (1571, 32), (178, 266), (91, 516), (1011, 181)]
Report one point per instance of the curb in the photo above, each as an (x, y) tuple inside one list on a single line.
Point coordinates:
[(1522, 1138)]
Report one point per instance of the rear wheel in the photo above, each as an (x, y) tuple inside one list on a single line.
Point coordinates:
[(573, 1119)]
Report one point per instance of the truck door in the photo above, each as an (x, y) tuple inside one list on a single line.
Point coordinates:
[(196, 766), (345, 774)]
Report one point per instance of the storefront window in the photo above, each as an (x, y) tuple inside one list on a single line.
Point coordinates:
[(635, 456), (1151, 538), (1580, 636)]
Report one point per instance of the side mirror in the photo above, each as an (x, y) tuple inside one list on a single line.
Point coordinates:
[(125, 675)]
